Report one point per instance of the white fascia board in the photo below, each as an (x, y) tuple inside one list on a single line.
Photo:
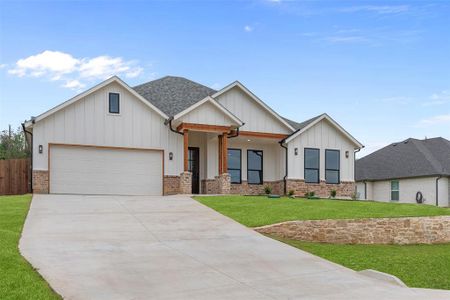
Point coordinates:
[(216, 104), (255, 98), (90, 91), (333, 122)]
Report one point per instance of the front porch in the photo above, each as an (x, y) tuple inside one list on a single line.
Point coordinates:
[(222, 160)]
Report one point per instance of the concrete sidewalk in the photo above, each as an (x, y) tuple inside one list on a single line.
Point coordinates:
[(131, 247)]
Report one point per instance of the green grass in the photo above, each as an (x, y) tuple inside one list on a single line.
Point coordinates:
[(18, 279), (255, 211), (424, 266)]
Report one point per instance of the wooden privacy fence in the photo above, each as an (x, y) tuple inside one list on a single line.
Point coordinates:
[(15, 176)]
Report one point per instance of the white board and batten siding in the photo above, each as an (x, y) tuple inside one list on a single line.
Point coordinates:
[(322, 136), (206, 113), (87, 122), (105, 171), (256, 117)]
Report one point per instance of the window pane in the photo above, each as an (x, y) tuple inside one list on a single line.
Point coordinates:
[(332, 159), (394, 185), (113, 103), (312, 158), (395, 195), (254, 177), (332, 176), (235, 176), (254, 160), (311, 176), (234, 159)]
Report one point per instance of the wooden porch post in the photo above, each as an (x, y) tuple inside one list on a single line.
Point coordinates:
[(220, 154), (186, 149), (225, 153)]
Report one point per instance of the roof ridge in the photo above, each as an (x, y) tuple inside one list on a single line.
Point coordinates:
[(428, 155), (172, 76)]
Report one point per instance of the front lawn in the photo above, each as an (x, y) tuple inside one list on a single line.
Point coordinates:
[(424, 266), (18, 279), (256, 211)]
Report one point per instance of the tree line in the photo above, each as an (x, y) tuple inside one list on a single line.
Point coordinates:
[(13, 144)]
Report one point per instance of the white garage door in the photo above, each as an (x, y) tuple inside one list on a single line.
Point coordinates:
[(91, 170)]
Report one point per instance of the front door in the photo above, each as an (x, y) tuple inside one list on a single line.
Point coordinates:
[(194, 168)]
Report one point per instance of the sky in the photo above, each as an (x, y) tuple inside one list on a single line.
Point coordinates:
[(381, 69)]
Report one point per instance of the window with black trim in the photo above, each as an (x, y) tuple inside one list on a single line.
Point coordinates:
[(332, 166), (235, 165), (254, 167), (312, 165), (114, 103)]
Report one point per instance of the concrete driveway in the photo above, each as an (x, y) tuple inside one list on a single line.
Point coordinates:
[(119, 247)]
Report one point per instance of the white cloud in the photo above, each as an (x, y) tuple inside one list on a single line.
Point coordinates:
[(379, 9), (248, 28), (74, 84), (436, 120), (438, 99), (2, 66), (47, 62), (60, 66)]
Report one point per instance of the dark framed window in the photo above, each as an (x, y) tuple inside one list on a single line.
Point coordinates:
[(254, 166), (312, 157), (395, 190), (332, 166), (235, 165), (114, 103)]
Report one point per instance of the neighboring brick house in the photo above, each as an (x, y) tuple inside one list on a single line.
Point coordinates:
[(173, 135), (410, 171)]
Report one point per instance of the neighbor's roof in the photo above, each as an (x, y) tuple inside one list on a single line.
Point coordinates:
[(173, 94), (410, 158)]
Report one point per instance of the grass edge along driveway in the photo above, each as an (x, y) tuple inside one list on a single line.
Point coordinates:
[(254, 211), (423, 266), (18, 279)]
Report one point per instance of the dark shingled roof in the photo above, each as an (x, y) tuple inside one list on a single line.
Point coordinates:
[(299, 126), (173, 94), (410, 158)]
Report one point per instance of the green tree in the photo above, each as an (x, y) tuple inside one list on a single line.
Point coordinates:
[(13, 144)]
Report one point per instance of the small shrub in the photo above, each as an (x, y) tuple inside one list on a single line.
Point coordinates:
[(354, 196), (291, 193), (268, 189), (306, 195), (311, 194), (333, 193)]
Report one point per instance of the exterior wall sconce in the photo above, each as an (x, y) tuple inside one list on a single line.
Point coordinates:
[(346, 154), (170, 155), (295, 151), (41, 149)]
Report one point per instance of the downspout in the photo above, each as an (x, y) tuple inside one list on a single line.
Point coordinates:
[(365, 190), (354, 171), (237, 132), (437, 189), (169, 121), (31, 152), (286, 165)]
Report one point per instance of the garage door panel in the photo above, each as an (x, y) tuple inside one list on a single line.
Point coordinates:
[(90, 170)]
